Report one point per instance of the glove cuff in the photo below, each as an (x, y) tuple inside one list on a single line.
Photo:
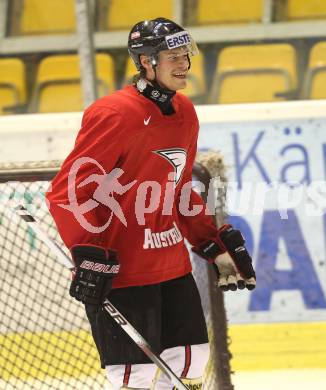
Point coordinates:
[(93, 251), (210, 249)]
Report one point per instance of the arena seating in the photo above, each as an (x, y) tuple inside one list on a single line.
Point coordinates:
[(315, 83), (238, 76), (122, 14), (305, 9), (12, 84), (254, 73), (46, 17), (58, 85), (235, 11)]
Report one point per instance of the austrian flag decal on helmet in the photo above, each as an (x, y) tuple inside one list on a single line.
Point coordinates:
[(135, 35)]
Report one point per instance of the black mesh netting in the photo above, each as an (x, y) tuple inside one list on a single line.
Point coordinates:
[(44, 336)]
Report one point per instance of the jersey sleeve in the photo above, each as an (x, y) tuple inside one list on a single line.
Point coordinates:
[(96, 151), (197, 228)]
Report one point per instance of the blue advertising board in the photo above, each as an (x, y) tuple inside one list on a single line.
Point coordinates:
[(276, 173)]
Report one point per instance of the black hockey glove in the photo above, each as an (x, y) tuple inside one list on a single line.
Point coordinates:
[(230, 258), (93, 274)]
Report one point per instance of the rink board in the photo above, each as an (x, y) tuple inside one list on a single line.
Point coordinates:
[(275, 157), (28, 355), (255, 347), (277, 346)]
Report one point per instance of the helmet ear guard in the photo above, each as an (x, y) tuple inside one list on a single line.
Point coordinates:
[(153, 60)]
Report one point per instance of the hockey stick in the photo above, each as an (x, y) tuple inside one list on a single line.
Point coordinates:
[(113, 312)]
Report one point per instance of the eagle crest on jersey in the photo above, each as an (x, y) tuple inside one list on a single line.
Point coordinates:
[(177, 157)]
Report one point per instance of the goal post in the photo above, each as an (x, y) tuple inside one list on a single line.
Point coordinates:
[(45, 337), (210, 170)]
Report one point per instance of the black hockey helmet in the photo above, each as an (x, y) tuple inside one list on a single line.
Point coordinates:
[(149, 37)]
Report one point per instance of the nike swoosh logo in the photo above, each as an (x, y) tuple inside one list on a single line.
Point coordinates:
[(146, 121)]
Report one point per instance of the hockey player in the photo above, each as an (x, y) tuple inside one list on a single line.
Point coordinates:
[(138, 146)]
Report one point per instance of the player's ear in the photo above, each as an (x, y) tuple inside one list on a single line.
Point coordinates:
[(145, 61), (146, 64)]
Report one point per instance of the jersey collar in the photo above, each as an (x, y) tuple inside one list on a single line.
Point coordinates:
[(160, 96)]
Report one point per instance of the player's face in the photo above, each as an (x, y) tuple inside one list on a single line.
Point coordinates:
[(172, 69)]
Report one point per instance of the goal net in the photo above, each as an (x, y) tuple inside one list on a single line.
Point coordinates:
[(45, 339)]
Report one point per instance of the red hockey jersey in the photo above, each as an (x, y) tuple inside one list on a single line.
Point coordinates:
[(137, 212)]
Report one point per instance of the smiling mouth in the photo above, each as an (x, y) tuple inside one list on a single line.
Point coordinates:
[(180, 75)]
